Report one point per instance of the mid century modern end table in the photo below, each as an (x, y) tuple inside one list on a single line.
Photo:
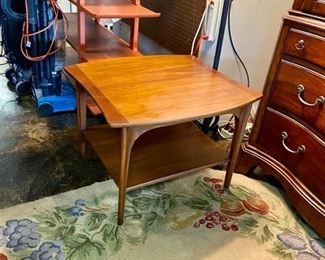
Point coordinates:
[(149, 104)]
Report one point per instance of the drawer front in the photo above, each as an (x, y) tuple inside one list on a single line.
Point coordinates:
[(300, 91), (316, 7), (309, 165), (306, 46)]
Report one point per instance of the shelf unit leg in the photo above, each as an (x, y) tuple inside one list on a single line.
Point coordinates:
[(126, 145), (134, 30), (82, 29), (134, 34), (81, 117), (240, 127)]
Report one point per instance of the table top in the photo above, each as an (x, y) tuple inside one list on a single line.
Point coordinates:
[(159, 90)]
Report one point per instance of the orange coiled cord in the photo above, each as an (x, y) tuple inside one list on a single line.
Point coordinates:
[(25, 37)]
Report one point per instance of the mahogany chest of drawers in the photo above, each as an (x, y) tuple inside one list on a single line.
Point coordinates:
[(288, 135)]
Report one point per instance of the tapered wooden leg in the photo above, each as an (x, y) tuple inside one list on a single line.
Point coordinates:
[(126, 146), (235, 135), (128, 137), (81, 117), (236, 142)]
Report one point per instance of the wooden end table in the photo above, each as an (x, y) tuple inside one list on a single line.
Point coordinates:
[(149, 104)]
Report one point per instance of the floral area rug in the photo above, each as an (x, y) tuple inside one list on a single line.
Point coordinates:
[(186, 218)]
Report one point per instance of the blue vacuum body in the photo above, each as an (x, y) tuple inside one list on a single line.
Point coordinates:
[(51, 104)]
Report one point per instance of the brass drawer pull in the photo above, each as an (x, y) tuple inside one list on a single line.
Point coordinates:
[(320, 100), (300, 45), (300, 149)]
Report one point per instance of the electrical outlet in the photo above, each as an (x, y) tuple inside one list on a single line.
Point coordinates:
[(211, 19)]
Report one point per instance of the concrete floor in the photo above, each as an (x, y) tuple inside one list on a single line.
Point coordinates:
[(38, 156)]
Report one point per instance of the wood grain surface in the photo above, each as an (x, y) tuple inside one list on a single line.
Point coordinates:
[(155, 90), (314, 7)]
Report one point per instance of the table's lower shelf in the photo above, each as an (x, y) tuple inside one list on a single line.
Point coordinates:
[(158, 154)]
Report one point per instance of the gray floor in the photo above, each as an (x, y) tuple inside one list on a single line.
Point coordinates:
[(38, 156)]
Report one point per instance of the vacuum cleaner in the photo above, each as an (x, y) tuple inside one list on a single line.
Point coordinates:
[(19, 73), (41, 51)]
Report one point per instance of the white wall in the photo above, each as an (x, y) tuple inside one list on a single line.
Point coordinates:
[(67, 6), (255, 26), (146, 45)]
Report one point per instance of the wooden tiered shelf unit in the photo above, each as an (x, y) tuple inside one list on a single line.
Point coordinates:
[(88, 36), (93, 42)]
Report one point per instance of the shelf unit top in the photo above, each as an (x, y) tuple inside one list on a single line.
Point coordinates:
[(158, 90), (114, 9)]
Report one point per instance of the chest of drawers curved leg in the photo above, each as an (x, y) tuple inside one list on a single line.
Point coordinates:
[(305, 188)]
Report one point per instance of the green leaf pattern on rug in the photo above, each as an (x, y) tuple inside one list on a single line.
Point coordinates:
[(94, 221), (82, 247), (88, 229)]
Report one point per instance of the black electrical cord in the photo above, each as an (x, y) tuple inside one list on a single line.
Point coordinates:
[(215, 127), (207, 126), (233, 46)]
